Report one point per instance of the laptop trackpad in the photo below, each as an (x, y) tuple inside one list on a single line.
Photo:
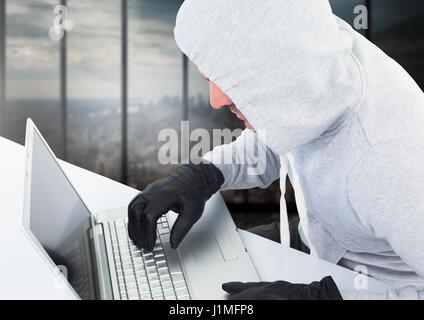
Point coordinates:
[(205, 248)]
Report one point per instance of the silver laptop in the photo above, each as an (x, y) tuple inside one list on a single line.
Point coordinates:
[(99, 261)]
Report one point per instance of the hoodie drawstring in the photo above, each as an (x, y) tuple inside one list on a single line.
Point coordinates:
[(284, 219)]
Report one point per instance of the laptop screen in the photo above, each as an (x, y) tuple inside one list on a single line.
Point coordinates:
[(60, 220)]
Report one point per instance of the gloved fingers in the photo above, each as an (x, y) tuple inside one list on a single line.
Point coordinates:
[(237, 287), (325, 289), (190, 213), (244, 295), (142, 222), (149, 221), (258, 293), (328, 289), (177, 207), (135, 209)]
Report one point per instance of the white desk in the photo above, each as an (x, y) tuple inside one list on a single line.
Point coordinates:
[(24, 275)]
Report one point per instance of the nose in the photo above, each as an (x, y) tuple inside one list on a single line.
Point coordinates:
[(218, 99)]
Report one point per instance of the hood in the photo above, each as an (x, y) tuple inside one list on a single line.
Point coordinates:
[(286, 64)]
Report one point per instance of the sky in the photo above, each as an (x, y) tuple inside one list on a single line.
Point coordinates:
[(94, 49), (94, 61), (30, 54)]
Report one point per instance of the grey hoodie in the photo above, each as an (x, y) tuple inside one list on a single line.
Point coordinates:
[(345, 121)]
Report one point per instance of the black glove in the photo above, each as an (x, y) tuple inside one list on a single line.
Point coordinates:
[(326, 289), (184, 191)]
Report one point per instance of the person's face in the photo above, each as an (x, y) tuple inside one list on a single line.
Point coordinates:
[(219, 99)]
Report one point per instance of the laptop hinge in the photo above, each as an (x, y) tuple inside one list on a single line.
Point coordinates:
[(102, 265)]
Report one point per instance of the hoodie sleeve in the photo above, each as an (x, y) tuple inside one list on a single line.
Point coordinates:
[(407, 293), (245, 163), (386, 189)]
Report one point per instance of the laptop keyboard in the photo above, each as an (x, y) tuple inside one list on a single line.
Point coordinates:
[(147, 275)]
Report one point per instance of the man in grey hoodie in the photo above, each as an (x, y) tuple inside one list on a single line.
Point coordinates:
[(341, 118)]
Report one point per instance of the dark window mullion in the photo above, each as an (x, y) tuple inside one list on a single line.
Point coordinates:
[(185, 115)]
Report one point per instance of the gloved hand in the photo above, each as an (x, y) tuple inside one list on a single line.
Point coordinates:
[(184, 191), (326, 289)]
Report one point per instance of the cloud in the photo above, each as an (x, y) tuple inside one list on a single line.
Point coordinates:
[(94, 46)]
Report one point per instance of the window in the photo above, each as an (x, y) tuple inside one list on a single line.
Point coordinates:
[(32, 86), (94, 86), (155, 86), (398, 29)]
